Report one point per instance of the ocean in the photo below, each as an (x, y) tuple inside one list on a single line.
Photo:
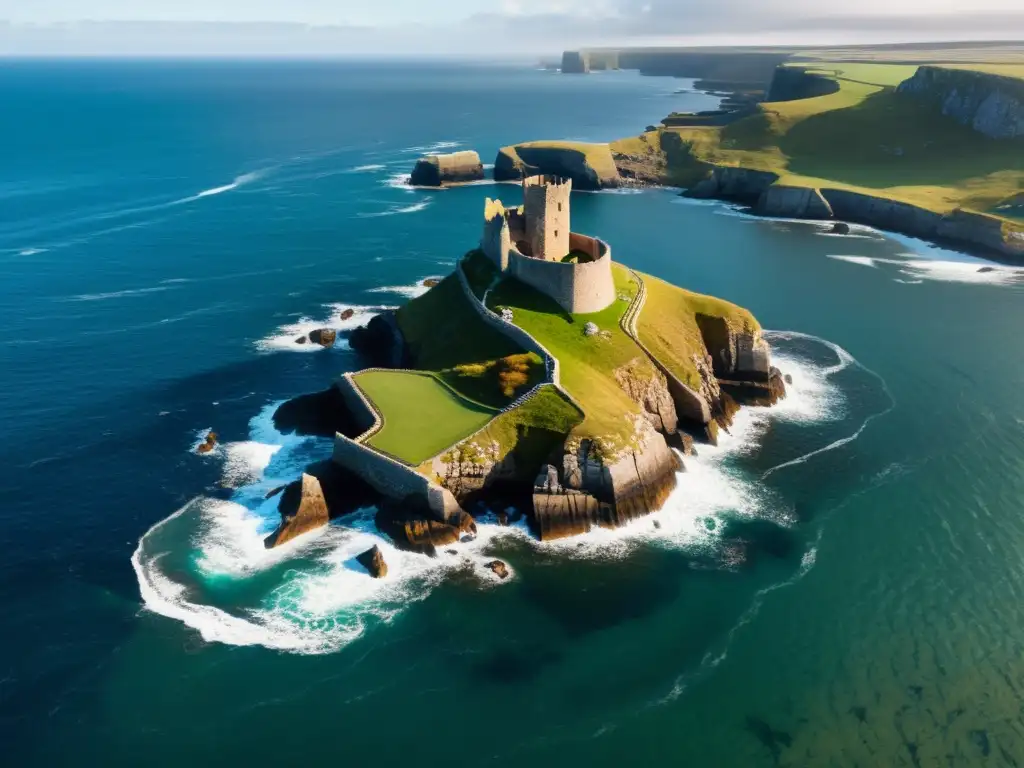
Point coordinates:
[(838, 583)]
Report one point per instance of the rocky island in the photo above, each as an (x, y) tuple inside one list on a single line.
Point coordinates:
[(540, 379)]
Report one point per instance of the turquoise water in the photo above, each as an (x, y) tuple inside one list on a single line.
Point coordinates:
[(837, 584)]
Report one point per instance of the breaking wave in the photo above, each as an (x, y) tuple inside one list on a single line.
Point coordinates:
[(206, 565), (283, 338), (394, 210), (919, 269)]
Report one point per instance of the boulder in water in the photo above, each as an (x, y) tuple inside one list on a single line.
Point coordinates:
[(840, 228), (208, 444), (325, 337), (301, 340), (303, 508), (430, 282), (497, 567), (346, 314), (373, 561)]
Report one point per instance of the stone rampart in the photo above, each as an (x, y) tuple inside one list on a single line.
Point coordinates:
[(367, 418), (578, 288)]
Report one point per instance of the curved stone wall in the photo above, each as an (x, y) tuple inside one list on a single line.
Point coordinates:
[(578, 288)]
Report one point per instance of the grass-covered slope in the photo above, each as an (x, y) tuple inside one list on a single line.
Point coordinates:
[(587, 363), (446, 336), (667, 326), (422, 416), (865, 137), (590, 166)]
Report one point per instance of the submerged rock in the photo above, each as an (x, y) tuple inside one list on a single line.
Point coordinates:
[(840, 228), (347, 314), (303, 509), (301, 340), (430, 282), (373, 561)]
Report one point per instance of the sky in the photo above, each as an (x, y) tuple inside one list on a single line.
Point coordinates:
[(360, 27)]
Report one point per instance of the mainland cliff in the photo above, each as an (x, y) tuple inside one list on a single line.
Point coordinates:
[(590, 166), (991, 104)]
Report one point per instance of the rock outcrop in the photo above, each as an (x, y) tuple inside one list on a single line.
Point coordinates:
[(993, 105), (208, 444), (380, 341), (413, 526), (741, 185), (321, 414), (454, 168), (792, 83), (590, 491), (303, 508), (498, 568), (741, 362), (325, 337), (575, 63), (590, 166), (793, 202), (324, 492), (373, 561), (648, 388)]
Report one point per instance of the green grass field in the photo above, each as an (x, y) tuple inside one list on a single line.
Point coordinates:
[(422, 416), (586, 363), (668, 327), (597, 156)]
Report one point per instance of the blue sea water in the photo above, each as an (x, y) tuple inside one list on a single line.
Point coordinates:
[(837, 584)]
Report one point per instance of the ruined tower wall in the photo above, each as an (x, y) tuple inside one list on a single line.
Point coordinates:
[(546, 202)]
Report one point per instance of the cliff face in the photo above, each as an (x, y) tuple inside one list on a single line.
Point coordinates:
[(438, 170), (992, 105), (741, 185), (575, 62), (380, 341), (590, 166), (793, 202), (792, 83)]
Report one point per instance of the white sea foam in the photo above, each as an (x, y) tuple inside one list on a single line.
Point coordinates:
[(31, 251), (395, 210), (368, 168), (327, 599), (409, 291), (437, 146), (237, 182), (864, 261), (118, 294), (938, 270), (283, 338)]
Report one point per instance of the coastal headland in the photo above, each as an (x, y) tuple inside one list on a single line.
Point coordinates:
[(540, 379)]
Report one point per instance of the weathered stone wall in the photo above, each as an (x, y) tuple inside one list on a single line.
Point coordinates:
[(546, 205), (391, 478), (365, 416), (578, 288)]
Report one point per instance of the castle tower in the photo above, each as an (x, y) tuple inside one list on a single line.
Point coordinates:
[(546, 203)]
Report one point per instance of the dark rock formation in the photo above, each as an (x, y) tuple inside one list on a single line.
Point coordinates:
[(321, 414), (380, 341), (413, 526), (742, 366), (430, 282), (741, 185), (325, 337), (792, 83), (454, 168), (575, 63), (302, 340), (840, 228), (590, 166), (303, 508), (373, 561), (346, 314), (991, 104), (793, 202), (594, 492), (498, 568), (208, 444), (324, 492)]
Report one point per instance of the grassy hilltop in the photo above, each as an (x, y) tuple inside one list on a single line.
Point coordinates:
[(864, 136)]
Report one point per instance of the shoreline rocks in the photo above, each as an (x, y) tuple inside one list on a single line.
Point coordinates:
[(325, 337), (380, 341), (303, 509), (208, 444), (373, 561), (498, 568)]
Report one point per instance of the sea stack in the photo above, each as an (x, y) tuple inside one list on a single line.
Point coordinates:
[(454, 168)]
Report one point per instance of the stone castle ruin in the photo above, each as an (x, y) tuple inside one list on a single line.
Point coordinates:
[(534, 243)]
